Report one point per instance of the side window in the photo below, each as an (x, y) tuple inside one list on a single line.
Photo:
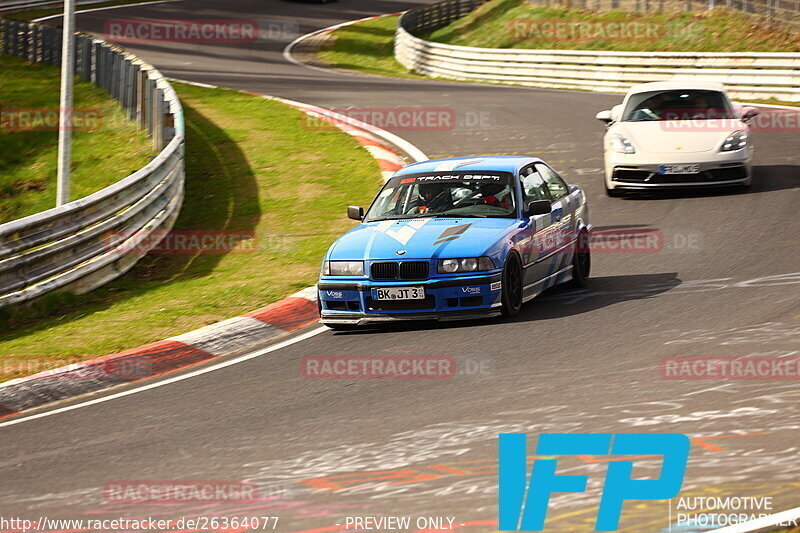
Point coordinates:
[(533, 186), (557, 187)]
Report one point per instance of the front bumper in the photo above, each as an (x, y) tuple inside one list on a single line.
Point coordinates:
[(344, 301), (626, 172)]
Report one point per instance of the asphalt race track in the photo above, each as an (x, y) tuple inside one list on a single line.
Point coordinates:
[(724, 282)]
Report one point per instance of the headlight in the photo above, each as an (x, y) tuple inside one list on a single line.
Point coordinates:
[(343, 268), (621, 145), (735, 141), (467, 264)]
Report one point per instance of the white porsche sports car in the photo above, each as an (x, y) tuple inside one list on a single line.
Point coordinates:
[(676, 134)]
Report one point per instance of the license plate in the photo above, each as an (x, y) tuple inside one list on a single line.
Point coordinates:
[(679, 169), (399, 293)]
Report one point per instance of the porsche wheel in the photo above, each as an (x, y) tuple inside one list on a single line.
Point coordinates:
[(613, 193), (512, 286)]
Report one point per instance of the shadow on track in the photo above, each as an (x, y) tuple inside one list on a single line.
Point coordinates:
[(557, 302)]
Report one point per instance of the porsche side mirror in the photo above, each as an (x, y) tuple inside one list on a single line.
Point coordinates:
[(604, 117), (538, 207), (355, 212), (749, 113)]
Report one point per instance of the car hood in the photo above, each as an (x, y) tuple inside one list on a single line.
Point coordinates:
[(683, 136), (421, 238)]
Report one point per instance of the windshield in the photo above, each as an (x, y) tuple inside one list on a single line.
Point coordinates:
[(467, 194), (677, 105)]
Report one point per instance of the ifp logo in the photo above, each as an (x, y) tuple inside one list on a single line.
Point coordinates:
[(521, 512)]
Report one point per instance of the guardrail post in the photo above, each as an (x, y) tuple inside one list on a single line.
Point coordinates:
[(86, 59), (150, 107), (57, 36), (141, 99), (4, 35), (12, 38), (124, 83), (169, 124), (47, 45), (115, 67), (108, 68), (133, 101), (158, 128)]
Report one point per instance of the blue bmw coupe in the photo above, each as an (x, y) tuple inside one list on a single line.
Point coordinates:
[(455, 239)]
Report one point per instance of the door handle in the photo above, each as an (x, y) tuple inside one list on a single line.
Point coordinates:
[(558, 218)]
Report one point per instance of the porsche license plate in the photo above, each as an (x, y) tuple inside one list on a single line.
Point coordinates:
[(399, 293), (679, 169)]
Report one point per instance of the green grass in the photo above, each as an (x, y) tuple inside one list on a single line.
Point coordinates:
[(33, 14), (516, 24), (100, 156), (366, 47), (252, 165)]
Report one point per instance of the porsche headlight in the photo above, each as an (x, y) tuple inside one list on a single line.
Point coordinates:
[(735, 141), (467, 264), (343, 268), (621, 145)]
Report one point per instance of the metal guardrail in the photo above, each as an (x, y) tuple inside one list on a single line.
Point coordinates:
[(85, 243), (19, 5), (746, 75)]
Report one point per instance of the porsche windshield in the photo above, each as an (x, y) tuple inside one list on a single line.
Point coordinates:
[(677, 105), (484, 195)]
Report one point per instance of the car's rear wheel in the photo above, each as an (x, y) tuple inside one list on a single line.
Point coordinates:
[(581, 261), (511, 298)]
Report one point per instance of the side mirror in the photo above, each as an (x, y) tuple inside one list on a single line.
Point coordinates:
[(604, 116), (355, 212), (538, 207), (748, 113)]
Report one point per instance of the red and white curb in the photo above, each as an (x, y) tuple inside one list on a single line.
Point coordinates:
[(223, 338)]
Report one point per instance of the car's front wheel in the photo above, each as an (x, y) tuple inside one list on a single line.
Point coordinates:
[(612, 193), (581, 260), (511, 298)]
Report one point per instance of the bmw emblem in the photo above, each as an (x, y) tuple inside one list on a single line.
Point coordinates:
[(400, 252)]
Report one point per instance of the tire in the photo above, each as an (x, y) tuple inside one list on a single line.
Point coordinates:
[(511, 297), (612, 193), (581, 261)]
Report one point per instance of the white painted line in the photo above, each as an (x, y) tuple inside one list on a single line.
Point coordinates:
[(777, 519), (381, 153), (195, 83), (79, 11), (198, 372)]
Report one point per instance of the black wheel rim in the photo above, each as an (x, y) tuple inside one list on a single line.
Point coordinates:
[(514, 284)]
